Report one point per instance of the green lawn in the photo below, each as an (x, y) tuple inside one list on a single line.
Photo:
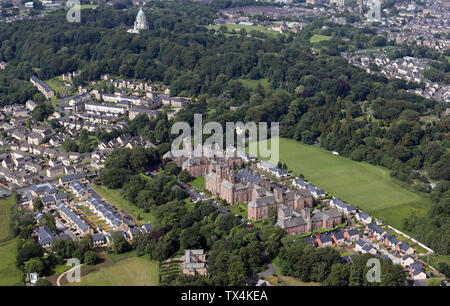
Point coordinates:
[(114, 196), (10, 275), (88, 6), (318, 38), (364, 185), (252, 84), (135, 271), (198, 183), (248, 28), (57, 84), (448, 58), (6, 205), (434, 260), (239, 209)]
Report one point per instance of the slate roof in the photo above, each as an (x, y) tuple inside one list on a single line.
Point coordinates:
[(71, 177), (353, 232), (338, 235), (75, 218)]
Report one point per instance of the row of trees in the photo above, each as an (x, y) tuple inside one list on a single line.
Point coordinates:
[(302, 260)]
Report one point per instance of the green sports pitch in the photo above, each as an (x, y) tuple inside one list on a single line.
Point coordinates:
[(366, 186)]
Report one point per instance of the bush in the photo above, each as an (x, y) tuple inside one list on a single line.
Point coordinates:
[(43, 282), (90, 258)]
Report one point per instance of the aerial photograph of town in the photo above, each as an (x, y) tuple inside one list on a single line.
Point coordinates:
[(201, 144)]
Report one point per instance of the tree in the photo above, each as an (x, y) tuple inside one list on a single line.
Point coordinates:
[(120, 244), (37, 204), (50, 222), (171, 168), (273, 214), (90, 258), (30, 249), (184, 176), (339, 275), (191, 238), (34, 265), (43, 282)]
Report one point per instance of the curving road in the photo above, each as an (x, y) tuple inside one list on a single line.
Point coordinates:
[(59, 277)]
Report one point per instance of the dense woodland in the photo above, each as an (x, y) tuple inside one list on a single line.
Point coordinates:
[(313, 92)]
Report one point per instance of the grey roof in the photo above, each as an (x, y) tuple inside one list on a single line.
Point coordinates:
[(367, 247), (245, 175), (325, 238), (75, 218), (360, 242), (404, 246), (43, 188), (353, 232), (363, 215), (406, 257), (338, 235), (418, 271), (98, 237), (45, 86), (147, 226), (72, 177)]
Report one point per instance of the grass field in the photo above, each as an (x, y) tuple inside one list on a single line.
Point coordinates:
[(252, 84), (318, 38), (57, 84), (367, 186), (248, 28), (448, 58), (88, 6), (10, 275), (6, 205), (134, 271), (114, 196)]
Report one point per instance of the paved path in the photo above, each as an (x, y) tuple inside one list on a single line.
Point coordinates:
[(271, 270), (394, 259), (59, 277)]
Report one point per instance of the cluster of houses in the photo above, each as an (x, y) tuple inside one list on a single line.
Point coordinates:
[(336, 238), (407, 68), (418, 24), (226, 179), (77, 224), (30, 153)]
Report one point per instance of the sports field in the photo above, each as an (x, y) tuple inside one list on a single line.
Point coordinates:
[(318, 38), (6, 205), (135, 271), (10, 275), (366, 186)]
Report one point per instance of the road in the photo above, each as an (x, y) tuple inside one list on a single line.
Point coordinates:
[(59, 277), (193, 192), (394, 259)]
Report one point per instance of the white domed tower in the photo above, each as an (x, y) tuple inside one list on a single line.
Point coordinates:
[(140, 23)]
